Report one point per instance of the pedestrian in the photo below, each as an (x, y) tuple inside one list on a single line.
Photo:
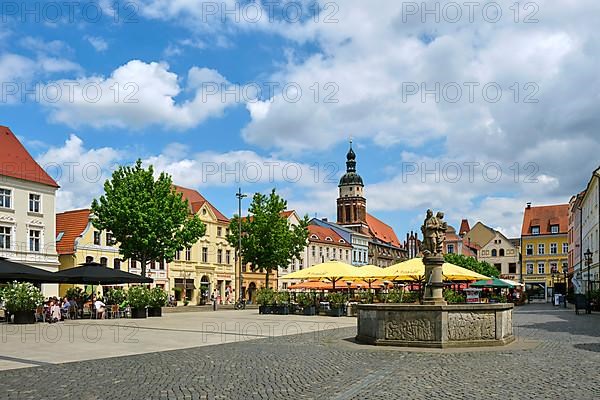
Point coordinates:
[(215, 298)]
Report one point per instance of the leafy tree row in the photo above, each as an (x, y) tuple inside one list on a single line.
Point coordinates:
[(472, 264)]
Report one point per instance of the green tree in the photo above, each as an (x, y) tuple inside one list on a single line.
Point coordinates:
[(269, 241), (146, 216), (470, 263)]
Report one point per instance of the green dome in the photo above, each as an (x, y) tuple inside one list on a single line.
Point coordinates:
[(351, 177)]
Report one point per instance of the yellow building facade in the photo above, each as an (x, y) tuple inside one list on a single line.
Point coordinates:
[(545, 249), (208, 264), (78, 242)]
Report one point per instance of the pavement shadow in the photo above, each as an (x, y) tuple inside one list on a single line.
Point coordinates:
[(593, 347)]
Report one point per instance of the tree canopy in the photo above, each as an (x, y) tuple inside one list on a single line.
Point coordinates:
[(472, 264), (269, 241), (146, 216)]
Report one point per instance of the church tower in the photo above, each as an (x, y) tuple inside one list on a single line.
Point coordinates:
[(351, 203)]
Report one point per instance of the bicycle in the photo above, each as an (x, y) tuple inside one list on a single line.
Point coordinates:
[(240, 304)]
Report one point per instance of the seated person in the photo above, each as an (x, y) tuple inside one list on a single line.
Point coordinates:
[(55, 314), (65, 306), (100, 309)]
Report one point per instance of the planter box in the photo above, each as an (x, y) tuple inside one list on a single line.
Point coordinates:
[(24, 317), (265, 309), (138, 313), (336, 312), (309, 310), (155, 311), (281, 310)]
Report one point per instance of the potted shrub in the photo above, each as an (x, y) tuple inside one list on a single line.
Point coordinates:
[(21, 301), (282, 300), (265, 298), (307, 303), (157, 298), (114, 296), (137, 297), (453, 297), (336, 304)]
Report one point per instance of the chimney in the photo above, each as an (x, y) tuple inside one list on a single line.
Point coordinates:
[(528, 205)]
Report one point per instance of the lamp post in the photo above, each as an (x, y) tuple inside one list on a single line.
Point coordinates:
[(348, 283), (387, 288), (588, 261), (565, 271), (240, 196)]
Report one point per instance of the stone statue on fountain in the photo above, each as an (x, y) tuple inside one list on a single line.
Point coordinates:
[(434, 234)]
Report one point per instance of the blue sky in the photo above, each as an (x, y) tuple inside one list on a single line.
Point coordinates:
[(363, 70)]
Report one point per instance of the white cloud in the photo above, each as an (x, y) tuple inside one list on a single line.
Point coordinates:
[(98, 43), (138, 95), (79, 171)]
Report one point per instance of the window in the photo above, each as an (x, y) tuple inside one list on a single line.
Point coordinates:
[(335, 254), (554, 229), (35, 238), (219, 231), (5, 198), (553, 248), (529, 268), (354, 255), (97, 238), (227, 256), (103, 261), (512, 268), (205, 254), (541, 249), (219, 256), (5, 232), (450, 249), (188, 254), (116, 263), (161, 265), (226, 231), (132, 264), (301, 263), (553, 267), (89, 259), (535, 230), (541, 268), (178, 255), (565, 248), (35, 201), (494, 253), (502, 253), (321, 252), (327, 252), (529, 249), (314, 251), (347, 254), (109, 239)]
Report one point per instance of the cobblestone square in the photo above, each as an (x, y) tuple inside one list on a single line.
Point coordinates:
[(556, 355)]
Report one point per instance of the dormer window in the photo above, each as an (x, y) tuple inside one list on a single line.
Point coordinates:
[(342, 241), (535, 230), (554, 229), (315, 237), (329, 239)]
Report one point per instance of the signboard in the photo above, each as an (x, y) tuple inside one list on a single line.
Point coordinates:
[(473, 295)]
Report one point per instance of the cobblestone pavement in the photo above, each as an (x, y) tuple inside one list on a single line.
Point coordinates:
[(556, 356)]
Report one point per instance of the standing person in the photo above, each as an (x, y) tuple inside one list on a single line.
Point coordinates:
[(214, 298), (227, 299)]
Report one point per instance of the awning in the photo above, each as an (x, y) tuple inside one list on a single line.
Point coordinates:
[(97, 274), (189, 283), (15, 271)]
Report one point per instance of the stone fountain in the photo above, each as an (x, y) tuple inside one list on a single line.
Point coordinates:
[(435, 323)]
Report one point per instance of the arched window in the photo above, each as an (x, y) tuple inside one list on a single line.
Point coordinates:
[(494, 253), (501, 252), (103, 261), (89, 259), (117, 263)]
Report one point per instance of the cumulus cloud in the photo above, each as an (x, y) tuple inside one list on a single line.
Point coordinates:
[(138, 95), (80, 171), (98, 43)]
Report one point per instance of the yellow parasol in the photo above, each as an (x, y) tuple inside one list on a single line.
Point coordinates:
[(414, 269), (331, 271)]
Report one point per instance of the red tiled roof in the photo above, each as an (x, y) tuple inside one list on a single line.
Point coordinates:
[(382, 231), (464, 227), (71, 224), (322, 233), (196, 201), (545, 217), (16, 162), (285, 214)]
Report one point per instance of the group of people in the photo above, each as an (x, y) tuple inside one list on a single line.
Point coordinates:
[(58, 309)]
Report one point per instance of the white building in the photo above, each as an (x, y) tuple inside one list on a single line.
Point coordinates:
[(590, 225), (27, 209)]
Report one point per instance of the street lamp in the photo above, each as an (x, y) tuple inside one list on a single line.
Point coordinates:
[(240, 196), (348, 283), (387, 288), (565, 271), (588, 261)]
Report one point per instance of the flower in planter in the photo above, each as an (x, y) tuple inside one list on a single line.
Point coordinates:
[(22, 296), (138, 297), (157, 298)]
